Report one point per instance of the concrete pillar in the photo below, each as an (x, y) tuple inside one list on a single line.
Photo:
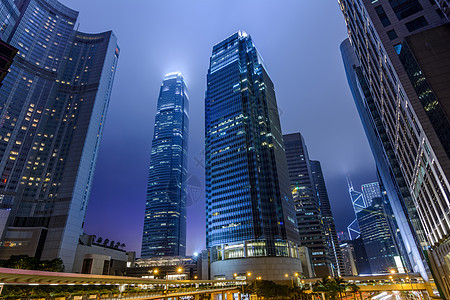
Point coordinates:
[(223, 296), (245, 248)]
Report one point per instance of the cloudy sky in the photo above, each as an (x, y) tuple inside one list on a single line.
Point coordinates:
[(299, 41)]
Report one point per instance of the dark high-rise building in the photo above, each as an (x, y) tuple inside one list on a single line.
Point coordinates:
[(327, 218), (165, 208), (377, 238), (307, 206), (53, 105), (250, 217), (361, 257), (404, 73)]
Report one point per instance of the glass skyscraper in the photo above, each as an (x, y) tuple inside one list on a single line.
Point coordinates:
[(165, 209), (53, 106), (251, 224), (409, 235), (376, 232), (329, 227), (307, 206)]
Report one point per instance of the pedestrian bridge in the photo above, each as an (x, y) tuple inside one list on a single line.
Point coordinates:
[(199, 289)]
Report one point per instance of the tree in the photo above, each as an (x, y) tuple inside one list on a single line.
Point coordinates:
[(105, 242), (112, 244), (353, 288), (338, 284), (117, 245), (25, 262), (99, 240), (54, 265), (322, 286), (268, 289), (122, 246)]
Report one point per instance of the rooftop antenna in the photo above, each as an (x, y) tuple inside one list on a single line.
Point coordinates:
[(349, 183)]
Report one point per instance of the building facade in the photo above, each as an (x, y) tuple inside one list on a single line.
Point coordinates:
[(167, 267), (370, 191), (386, 36), (165, 209), (409, 235), (250, 217), (311, 223), (337, 265), (377, 238), (53, 106), (358, 205)]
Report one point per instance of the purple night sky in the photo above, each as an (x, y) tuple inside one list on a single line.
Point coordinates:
[(299, 41)]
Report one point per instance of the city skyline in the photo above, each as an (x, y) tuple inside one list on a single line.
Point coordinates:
[(129, 199)]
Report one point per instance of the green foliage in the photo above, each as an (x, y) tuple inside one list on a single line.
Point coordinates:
[(25, 262), (332, 288), (45, 291), (270, 290)]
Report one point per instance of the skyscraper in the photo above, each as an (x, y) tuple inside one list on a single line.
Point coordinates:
[(409, 234), (358, 204), (251, 225), (53, 106), (165, 208), (370, 191), (307, 206), (399, 75), (327, 218), (377, 238)]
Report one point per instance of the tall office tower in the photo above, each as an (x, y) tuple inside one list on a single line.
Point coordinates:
[(409, 235), (404, 74), (348, 259), (165, 209), (370, 191), (358, 205), (251, 225), (377, 239), (53, 106), (331, 238), (311, 225)]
